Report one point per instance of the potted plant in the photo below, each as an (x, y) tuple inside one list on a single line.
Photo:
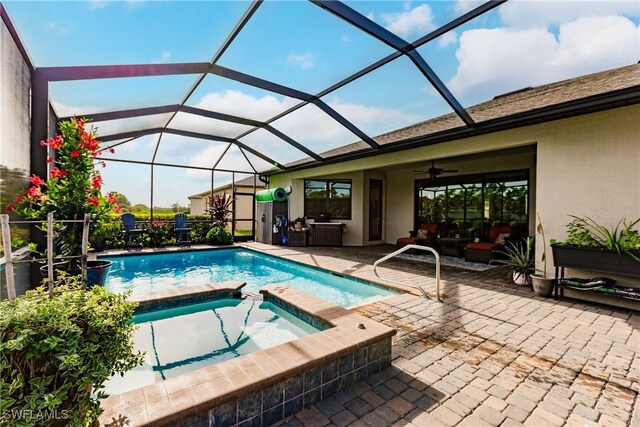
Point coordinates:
[(72, 190), (592, 246), (519, 261), (298, 223), (542, 285)]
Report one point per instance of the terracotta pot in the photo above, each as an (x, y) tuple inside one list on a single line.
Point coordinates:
[(542, 286)]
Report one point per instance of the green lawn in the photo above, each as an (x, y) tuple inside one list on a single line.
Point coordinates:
[(243, 233)]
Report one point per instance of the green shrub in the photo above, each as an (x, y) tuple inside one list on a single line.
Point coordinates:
[(55, 351), (219, 235)]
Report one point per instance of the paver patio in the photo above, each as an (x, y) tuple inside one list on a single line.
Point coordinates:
[(488, 354)]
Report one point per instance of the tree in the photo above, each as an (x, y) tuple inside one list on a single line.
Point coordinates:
[(140, 208), (123, 202)]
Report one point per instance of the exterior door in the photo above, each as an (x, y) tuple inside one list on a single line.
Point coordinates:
[(375, 209)]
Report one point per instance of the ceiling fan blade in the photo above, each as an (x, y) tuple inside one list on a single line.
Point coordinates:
[(449, 170)]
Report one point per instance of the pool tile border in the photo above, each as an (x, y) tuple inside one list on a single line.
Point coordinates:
[(158, 300), (269, 385)]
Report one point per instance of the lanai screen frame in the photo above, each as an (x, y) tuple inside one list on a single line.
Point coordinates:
[(42, 76)]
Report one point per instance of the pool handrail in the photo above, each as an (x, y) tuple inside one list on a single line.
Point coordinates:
[(406, 248)]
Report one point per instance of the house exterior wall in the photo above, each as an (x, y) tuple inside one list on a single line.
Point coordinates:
[(15, 136), (244, 205), (587, 165)]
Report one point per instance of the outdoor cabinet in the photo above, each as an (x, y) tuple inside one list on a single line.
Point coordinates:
[(326, 233), (266, 216), (298, 238)]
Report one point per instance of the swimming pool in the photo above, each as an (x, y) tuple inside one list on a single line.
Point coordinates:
[(182, 339), (154, 272)]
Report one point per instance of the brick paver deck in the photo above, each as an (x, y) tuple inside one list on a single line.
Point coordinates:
[(488, 355)]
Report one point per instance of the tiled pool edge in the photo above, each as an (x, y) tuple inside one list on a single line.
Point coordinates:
[(268, 385), (168, 298)]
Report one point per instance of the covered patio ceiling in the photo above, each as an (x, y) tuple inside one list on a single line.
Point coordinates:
[(270, 142)]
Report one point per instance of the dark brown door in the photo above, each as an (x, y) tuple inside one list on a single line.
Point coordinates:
[(375, 209)]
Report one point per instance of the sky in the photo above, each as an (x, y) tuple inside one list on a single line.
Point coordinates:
[(295, 43)]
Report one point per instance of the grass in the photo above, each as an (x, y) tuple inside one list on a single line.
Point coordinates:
[(243, 233)]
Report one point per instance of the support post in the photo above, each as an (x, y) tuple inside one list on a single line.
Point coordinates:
[(85, 245), (8, 257), (50, 248), (233, 205), (253, 209)]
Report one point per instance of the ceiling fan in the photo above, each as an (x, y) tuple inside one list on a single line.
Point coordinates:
[(433, 171)]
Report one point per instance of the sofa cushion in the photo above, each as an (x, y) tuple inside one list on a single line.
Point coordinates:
[(481, 246), (496, 230), (407, 240), (431, 228)]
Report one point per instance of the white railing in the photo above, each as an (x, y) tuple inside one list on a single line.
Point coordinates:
[(406, 248)]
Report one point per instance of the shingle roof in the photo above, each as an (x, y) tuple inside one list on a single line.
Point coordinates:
[(244, 182), (512, 103)]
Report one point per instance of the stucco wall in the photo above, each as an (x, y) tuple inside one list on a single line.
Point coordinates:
[(589, 166), (15, 134)]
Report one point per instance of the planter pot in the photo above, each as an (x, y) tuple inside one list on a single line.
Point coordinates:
[(97, 271), (542, 286), (98, 246), (520, 279), (595, 259)]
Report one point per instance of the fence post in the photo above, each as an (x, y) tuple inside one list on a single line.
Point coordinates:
[(8, 257), (50, 248), (85, 244)]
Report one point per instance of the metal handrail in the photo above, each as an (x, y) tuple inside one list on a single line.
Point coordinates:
[(406, 248)]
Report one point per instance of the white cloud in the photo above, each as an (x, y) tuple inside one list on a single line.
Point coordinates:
[(164, 57), (303, 60), (98, 4), (463, 6), (447, 39), (64, 110), (416, 21), (58, 28), (371, 16), (543, 13), (494, 61)]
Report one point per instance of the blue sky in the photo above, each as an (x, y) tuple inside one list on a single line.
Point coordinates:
[(295, 43)]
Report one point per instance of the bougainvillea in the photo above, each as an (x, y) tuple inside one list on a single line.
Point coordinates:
[(73, 187)]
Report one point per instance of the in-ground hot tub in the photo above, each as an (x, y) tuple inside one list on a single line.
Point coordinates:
[(191, 336), (264, 386)]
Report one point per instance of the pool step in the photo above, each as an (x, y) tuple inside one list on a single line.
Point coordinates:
[(251, 295)]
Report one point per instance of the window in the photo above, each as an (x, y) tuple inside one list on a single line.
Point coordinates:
[(469, 204), (327, 195)]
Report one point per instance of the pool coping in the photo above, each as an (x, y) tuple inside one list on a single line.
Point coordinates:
[(168, 297), (199, 391)]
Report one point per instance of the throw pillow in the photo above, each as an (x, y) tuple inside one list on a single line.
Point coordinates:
[(422, 234), (501, 240)]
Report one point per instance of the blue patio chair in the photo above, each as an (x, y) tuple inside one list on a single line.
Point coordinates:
[(131, 232), (182, 229)]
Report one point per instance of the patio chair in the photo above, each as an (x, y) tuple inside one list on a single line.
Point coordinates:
[(426, 235), (132, 233), (182, 230), (486, 251)]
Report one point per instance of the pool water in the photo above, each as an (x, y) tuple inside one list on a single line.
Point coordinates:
[(182, 339), (145, 273)]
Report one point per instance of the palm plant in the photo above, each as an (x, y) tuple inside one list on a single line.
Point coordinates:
[(220, 207), (518, 258)]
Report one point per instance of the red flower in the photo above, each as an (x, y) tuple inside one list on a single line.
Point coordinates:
[(58, 173), (111, 198), (112, 150), (36, 180), (19, 199), (10, 208), (33, 192), (43, 143), (117, 209), (94, 201), (55, 142), (75, 153), (97, 182), (104, 165), (49, 159)]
